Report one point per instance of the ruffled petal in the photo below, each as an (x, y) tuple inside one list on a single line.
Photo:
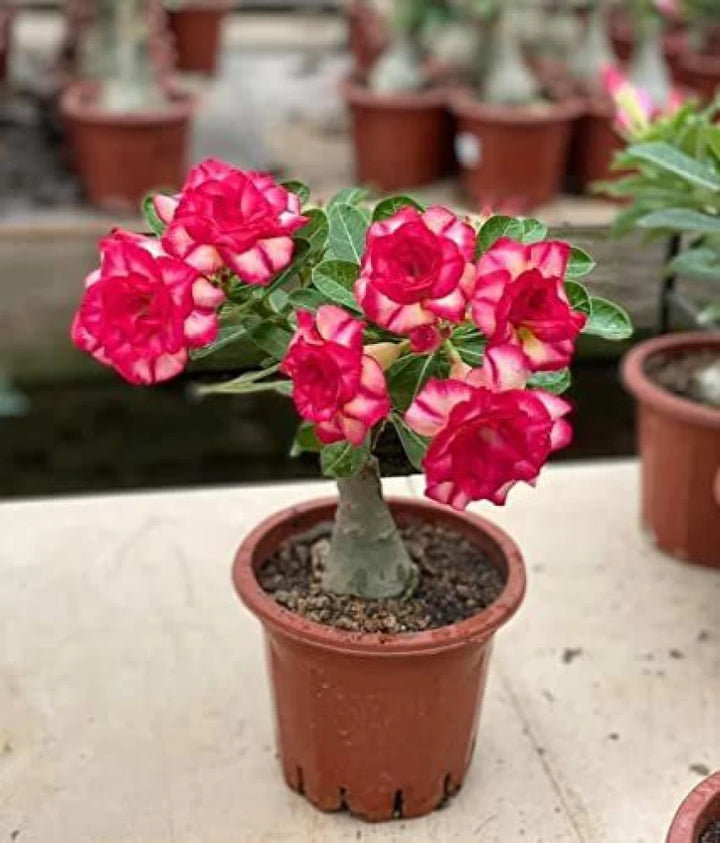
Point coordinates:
[(431, 409)]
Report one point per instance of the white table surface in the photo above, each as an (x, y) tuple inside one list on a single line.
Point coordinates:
[(134, 706)]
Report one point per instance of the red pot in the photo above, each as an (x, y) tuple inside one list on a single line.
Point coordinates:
[(700, 73), (400, 140), (679, 442), (123, 156), (510, 156), (701, 808), (382, 725), (594, 145), (196, 29)]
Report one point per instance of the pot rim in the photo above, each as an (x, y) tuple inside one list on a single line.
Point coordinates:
[(355, 92), (467, 105), (79, 102), (479, 627), (647, 392), (694, 810), (220, 6)]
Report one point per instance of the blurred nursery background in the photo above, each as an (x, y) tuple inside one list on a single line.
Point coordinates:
[(499, 106)]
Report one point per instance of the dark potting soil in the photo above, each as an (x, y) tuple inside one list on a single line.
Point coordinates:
[(677, 373), (711, 833), (457, 580)]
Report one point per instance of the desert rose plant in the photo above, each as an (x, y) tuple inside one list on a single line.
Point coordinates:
[(456, 332)]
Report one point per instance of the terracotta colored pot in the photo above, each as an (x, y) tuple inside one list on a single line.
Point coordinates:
[(700, 73), (196, 29), (513, 157), (382, 725), (400, 140), (122, 156), (593, 147), (679, 442), (701, 808)]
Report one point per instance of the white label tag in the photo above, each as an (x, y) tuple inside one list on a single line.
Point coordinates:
[(468, 149)]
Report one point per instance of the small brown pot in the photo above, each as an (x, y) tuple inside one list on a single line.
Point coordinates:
[(679, 443), (700, 73), (400, 140), (122, 156), (513, 157), (196, 29), (701, 808), (593, 147), (382, 725)]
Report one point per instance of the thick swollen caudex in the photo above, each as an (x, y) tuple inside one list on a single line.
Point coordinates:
[(367, 556)]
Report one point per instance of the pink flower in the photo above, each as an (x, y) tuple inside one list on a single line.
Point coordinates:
[(634, 107), (336, 385), (520, 299), (227, 217), (142, 310), (416, 272), (484, 441)]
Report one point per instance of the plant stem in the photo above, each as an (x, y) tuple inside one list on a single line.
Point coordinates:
[(367, 556)]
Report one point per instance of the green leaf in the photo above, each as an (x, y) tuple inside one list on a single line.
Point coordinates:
[(578, 297), (470, 345), (414, 445), (608, 320), (348, 227), (301, 190), (226, 336), (710, 315), (341, 459), (306, 440), (555, 382), (335, 279), (316, 230), (301, 254), (681, 219), (306, 299), (669, 158), (580, 263), (525, 230), (272, 339), (408, 376), (348, 196), (702, 264), (390, 206), (157, 226)]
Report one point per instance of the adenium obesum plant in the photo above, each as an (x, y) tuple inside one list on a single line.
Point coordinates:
[(456, 332)]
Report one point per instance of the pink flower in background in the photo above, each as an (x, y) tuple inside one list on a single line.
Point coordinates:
[(519, 299), (634, 107), (227, 217), (336, 385), (484, 440), (142, 310), (416, 272)]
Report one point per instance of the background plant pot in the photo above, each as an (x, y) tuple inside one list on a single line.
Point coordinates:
[(400, 140), (383, 725), (122, 156), (593, 147), (196, 29), (700, 73), (513, 157), (696, 813), (679, 442)]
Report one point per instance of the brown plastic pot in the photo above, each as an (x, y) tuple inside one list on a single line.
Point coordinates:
[(512, 156), (121, 156), (701, 808), (381, 725), (679, 443), (700, 73), (594, 145), (400, 140), (196, 29)]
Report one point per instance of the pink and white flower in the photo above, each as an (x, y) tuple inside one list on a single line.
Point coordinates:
[(336, 385), (227, 217), (417, 273), (634, 107), (142, 310), (519, 299)]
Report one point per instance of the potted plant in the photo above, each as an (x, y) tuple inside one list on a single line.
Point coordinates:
[(129, 127), (698, 818), (698, 67), (401, 128), (674, 182), (378, 614), (196, 28), (512, 143)]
